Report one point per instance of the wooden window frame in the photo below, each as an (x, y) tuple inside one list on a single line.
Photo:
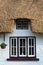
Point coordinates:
[(13, 48), (22, 22), (22, 50), (27, 58), (31, 47)]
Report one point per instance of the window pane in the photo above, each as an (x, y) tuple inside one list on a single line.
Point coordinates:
[(20, 51), (22, 47), (24, 50), (14, 42), (14, 51), (14, 46), (32, 50), (29, 50), (19, 25), (25, 25), (32, 42), (29, 42), (25, 22), (20, 42), (23, 42)]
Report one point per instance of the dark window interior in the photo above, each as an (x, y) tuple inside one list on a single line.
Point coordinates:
[(32, 50), (22, 23), (29, 50), (31, 46), (22, 46)]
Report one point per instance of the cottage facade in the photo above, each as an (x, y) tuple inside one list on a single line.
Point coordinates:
[(21, 28)]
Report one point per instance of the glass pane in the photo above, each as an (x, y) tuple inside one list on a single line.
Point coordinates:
[(20, 42), (25, 25), (29, 50), (23, 42), (14, 42), (29, 42), (32, 50), (24, 50), (19, 25), (32, 42), (20, 51), (25, 22), (14, 51)]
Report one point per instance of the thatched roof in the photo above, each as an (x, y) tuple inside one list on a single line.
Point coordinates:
[(6, 26), (31, 9)]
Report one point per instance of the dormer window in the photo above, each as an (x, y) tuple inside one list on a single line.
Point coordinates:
[(22, 24)]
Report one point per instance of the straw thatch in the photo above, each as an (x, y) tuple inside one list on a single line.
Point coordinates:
[(37, 26), (6, 26), (31, 9)]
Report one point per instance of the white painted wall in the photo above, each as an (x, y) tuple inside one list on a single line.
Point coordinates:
[(4, 53), (1, 38)]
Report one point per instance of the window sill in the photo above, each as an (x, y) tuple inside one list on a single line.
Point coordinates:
[(22, 59)]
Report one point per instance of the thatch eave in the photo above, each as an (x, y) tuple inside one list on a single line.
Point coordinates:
[(6, 26)]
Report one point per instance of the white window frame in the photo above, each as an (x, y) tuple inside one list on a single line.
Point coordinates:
[(31, 46), (13, 48), (19, 47), (26, 47)]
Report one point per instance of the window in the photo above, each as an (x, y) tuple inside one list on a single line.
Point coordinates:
[(23, 47), (14, 47), (22, 24), (31, 46)]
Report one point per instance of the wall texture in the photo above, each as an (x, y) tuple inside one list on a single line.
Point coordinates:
[(4, 53)]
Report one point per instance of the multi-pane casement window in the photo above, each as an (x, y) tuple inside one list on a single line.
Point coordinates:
[(23, 47), (14, 47), (22, 24), (31, 47)]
